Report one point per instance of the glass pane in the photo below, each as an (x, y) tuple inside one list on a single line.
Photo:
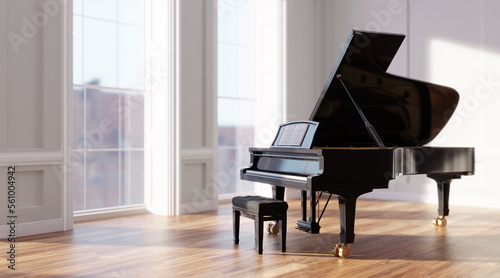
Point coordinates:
[(243, 161), (130, 12), (228, 121), (77, 49), (102, 119), (236, 79), (108, 51), (226, 70), (78, 7), (246, 118), (245, 23), (78, 180), (236, 120), (245, 186), (102, 180), (245, 73), (132, 179), (99, 52), (102, 9), (130, 58), (226, 21), (78, 118), (227, 177), (132, 120)]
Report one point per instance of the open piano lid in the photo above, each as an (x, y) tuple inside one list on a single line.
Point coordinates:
[(404, 112)]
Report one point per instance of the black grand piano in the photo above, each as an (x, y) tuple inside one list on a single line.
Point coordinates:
[(367, 128)]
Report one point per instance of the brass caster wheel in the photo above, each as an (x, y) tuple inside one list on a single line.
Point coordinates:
[(342, 250), (439, 221), (273, 228)]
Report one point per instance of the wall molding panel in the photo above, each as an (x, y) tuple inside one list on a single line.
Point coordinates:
[(34, 81), (197, 91), (31, 158), (200, 186)]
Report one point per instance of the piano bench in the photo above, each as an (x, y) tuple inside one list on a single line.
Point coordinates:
[(260, 209)]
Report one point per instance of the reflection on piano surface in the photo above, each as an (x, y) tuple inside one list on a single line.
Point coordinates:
[(339, 156)]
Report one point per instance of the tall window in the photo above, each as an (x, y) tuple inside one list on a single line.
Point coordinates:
[(236, 98), (249, 84), (108, 103)]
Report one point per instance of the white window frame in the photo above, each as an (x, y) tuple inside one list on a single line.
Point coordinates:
[(122, 210)]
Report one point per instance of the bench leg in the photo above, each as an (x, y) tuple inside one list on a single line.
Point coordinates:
[(283, 233), (236, 226), (259, 232)]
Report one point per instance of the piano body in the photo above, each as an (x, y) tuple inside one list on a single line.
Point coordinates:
[(337, 154)]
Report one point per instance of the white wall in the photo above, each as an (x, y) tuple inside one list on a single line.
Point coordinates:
[(197, 91), (33, 82), (454, 43), (316, 32), (451, 43), (302, 43)]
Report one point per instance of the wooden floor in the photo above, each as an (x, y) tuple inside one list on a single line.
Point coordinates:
[(393, 239)]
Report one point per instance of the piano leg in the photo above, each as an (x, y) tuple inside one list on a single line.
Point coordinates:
[(347, 210), (443, 186), (444, 197), (278, 192), (309, 225), (304, 205), (312, 206), (259, 232), (236, 226)]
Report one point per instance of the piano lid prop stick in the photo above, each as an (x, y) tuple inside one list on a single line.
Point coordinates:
[(369, 127)]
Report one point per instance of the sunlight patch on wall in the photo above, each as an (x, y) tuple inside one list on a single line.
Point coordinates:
[(471, 71)]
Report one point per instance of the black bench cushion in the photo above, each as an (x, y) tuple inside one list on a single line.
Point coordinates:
[(259, 204)]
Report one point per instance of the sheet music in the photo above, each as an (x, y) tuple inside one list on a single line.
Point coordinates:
[(293, 135)]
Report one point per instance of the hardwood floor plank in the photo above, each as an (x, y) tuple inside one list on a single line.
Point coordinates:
[(393, 239)]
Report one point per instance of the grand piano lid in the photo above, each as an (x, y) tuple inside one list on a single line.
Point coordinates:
[(404, 112)]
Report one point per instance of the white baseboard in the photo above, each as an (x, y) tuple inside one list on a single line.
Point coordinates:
[(97, 214), (455, 200), (33, 228)]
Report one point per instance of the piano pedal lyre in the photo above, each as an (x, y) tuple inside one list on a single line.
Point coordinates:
[(301, 229), (342, 250), (440, 221), (273, 228)]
